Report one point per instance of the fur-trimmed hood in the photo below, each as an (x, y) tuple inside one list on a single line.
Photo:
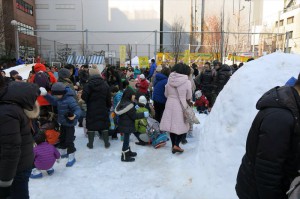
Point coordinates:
[(34, 113), (123, 108)]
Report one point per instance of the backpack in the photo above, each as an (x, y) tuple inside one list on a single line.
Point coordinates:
[(42, 79), (157, 138)]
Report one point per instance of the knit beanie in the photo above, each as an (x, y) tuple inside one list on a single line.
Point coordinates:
[(58, 89), (94, 71), (142, 76), (143, 100), (64, 73)]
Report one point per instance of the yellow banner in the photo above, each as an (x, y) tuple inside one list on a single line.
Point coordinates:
[(143, 62), (159, 58), (122, 55)]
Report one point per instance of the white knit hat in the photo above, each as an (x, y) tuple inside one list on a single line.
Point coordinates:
[(198, 94), (142, 100), (94, 71), (142, 76)]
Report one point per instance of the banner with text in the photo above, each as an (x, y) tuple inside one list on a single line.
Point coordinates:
[(122, 55)]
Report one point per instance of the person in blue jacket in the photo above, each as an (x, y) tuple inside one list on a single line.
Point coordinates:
[(152, 69), (68, 114), (159, 97)]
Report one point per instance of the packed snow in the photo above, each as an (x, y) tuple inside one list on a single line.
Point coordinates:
[(206, 170), (23, 70)]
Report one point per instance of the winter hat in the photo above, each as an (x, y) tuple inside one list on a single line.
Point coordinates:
[(198, 94), (13, 73), (64, 73), (39, 67), (143, 100), (94, 71), (58, 89), (142, 76)]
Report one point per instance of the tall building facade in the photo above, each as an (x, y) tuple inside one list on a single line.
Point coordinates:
[(19, 23)]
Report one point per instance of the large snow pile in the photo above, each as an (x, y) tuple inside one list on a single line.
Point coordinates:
[(223, 137), (22, 69)]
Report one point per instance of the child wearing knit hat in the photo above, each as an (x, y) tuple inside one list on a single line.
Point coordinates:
[(68, 114)]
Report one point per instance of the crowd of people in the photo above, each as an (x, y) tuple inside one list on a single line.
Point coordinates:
[(42, 111)]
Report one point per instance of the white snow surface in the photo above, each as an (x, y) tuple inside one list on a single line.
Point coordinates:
[(22, 69), (206, 170)]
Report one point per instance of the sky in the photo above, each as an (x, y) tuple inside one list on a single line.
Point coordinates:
[(208, 167)]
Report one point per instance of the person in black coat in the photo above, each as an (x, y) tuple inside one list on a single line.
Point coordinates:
[(17, 106), (223, 75), (272, 154), (127, 116), (97, 96)]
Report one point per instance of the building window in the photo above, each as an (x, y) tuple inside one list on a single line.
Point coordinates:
[(25, 29), (25, 7), (65, 27), (281, 22), (65, 6), (42, 6), (43, 27), (290, 20), (290, 34), (276, 24)]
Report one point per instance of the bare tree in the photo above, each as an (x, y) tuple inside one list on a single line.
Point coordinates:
[(129, 52), (177, 38), (212, 40), (62, 54), (7, 36)]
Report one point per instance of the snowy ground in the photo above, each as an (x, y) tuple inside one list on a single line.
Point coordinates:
[(206, 170), (99, 173)]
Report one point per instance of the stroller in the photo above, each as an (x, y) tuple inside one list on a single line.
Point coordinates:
[(153, 135)]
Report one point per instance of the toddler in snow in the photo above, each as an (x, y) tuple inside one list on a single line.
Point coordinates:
[(201, 102), (68, 114), (45, 155), (141, 124), (127, 116)]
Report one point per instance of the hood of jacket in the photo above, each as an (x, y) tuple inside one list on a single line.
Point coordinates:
[(280, 97), (39, 67), (177, 79), (96, 83), (21, 93), (160, 76), (123, 107), (69, 92)]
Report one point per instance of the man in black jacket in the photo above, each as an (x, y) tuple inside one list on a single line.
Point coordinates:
[(272, 154), (17, 106)]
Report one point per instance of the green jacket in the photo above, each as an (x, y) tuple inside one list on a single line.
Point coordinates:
[(141, 124)]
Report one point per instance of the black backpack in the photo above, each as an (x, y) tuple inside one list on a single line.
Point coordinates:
[(42, 79)]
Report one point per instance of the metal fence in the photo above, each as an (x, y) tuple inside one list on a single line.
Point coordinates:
[(147, 43)]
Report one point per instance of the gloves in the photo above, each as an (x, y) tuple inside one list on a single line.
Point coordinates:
[(146, 114), (43, 91), (136, 106)]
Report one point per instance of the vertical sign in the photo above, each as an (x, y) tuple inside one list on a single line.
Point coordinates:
[(122, 55), (143, 62)]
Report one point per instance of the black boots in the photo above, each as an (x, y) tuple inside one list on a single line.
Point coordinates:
[(127, 156), (91, 136), (105, 137)]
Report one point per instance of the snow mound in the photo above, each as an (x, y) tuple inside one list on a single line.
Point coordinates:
[(23, 70), (223, 137)]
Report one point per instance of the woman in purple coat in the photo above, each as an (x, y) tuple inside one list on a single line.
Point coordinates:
[(45, 155), (178, 90)]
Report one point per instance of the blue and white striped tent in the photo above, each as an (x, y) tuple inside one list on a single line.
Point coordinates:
[(94, 59)]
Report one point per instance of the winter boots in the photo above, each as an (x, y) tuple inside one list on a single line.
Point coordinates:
[(63, 153), (91, 136), (36, 173), (125, 157), (71, 160), (105, 137)]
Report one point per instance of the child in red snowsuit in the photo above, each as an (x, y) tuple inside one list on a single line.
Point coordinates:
[(201, 102)]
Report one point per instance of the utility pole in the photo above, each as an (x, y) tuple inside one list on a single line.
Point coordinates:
[(222, 32), (202, 23), (161, 27)]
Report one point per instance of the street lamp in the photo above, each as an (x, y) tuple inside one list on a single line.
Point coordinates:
[(15, 24)]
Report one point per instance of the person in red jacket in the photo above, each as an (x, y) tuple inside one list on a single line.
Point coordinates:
[(42, 68), (142, 86), (201, 102)]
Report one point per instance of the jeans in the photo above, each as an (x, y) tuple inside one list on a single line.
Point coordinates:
[(19, 187), (126, 141), (67, 138)]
